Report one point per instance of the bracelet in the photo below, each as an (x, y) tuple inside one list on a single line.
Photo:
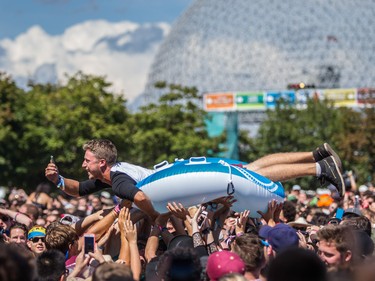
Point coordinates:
[(212, 248), (197, 239), (61, 183), (239, 234), (117, 209), (15, 217), (159, 227)]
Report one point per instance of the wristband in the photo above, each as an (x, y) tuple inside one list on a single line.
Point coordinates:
[(239, 234), (15, 217), (61, 183), (159, 227), (117, 209)]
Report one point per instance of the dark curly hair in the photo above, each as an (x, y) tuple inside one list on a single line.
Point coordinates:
[(179, 264), (289, 211)]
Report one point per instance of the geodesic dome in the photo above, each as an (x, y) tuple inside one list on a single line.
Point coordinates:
[(241, 45)]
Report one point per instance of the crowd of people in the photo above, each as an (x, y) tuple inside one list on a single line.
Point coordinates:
[(314, 234)]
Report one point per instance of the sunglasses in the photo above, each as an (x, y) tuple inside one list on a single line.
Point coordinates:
[(37, 239)]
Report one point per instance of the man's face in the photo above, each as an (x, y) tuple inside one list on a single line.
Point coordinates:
[(17, 235), (329, 254), (91, 165), (37, 245), (50, 219)]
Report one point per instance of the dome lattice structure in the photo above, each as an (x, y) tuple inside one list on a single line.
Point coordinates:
[(241, 45)]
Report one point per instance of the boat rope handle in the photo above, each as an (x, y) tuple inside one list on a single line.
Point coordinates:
[(161, 165), (230, 186)]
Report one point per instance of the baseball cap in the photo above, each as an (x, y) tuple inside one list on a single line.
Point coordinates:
[(186, 241), (363, 188), (36, 231), (222, 263), (364, 243), (296, 187), (280, 237), (355, 212), (105, 194), (299, 222)]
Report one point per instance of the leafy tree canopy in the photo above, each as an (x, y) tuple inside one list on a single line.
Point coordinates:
[(172, 128), (57, 119), (288, 129)]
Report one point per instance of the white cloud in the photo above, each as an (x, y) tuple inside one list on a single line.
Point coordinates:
[(122, 51)]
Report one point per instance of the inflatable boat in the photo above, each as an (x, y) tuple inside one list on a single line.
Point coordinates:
[(199, 180)]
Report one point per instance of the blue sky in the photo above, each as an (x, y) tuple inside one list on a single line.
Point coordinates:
[(48, 40), (54, 16)]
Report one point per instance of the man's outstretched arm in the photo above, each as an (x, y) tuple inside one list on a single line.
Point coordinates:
[(144, 203), (69, 186)]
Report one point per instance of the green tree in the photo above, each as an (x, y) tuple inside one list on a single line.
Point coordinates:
[(57, 120), (12, 102), (289, 129), (172, 128)]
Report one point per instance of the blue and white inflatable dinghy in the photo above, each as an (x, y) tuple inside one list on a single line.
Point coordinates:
[(199, 180)]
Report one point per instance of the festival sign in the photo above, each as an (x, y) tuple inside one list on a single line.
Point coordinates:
[(341, 97), (303, 95), (250, 101), (272, 97), (219, 102), (366, 96)]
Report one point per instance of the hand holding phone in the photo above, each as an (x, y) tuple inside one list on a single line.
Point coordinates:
[(89, 243), (202, 219)]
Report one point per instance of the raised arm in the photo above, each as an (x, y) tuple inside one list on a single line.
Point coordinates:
[(83, 224), (69, 186), (131, 237), (180, 218), (144, 203), (153, 240), (17, 217), (101, 226)]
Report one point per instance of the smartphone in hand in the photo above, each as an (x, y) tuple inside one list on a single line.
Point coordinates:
[(89, 243), (202, 219)]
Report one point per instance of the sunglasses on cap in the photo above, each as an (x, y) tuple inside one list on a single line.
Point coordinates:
[(37, 239)]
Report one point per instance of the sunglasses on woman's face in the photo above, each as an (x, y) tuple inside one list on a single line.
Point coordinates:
[(37, 239)]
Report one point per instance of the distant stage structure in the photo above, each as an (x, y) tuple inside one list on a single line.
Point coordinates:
[(219, 45), (224, 46)]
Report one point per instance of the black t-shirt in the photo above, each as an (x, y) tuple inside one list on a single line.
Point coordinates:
[(124, 177)]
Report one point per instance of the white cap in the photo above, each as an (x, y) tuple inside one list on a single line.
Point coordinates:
[(321, 191), (363, 188), (296, 187), (105, 194)]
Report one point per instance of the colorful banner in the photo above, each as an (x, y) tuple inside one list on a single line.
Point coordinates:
[(341, 97), (250, 101), (303, 95), (273, 96), (219, 102), (259, 100), (366, 96)]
